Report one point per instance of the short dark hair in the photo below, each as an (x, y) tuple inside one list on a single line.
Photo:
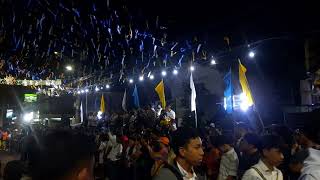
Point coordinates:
[(253, 139), (224, 139), (181, 138), (312, 126), (271, 141), (62, 151)]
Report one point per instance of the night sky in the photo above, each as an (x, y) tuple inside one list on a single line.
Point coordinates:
[(275, 72)]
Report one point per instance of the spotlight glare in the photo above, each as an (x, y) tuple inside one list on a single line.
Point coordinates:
[(163, 73), (213, 62), (87, 90), (79, 92), (97, 89), (151, 77), (27, 117), (130, 81), (82, 91), (107, 86)]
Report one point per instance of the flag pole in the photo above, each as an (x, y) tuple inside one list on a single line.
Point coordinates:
[(196, 117), (254, 104)]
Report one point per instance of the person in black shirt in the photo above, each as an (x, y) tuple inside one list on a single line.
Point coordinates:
[(249, 154)]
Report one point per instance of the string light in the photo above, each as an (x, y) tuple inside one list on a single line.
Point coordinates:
[(251, 54), (79, 92), (213, 62), (163, 73), (175, 72), (82, 91), (141, 78)]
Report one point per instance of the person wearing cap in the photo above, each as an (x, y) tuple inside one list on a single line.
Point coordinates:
[(160, 152)]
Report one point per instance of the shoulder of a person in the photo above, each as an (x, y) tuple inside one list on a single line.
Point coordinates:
[(165, 174), (250, 172), (308, 177)]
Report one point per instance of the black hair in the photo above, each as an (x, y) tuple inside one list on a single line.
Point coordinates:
[(61, 152), (252, 139), (271, 141), (299, 157), (14, 170), (312, 126), (181, 138), (223, 139)]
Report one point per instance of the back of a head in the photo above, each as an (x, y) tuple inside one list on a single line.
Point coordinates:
[(271, 141), (312, 126), (181, 137), (14, 170), (253, 139), (223, 139), (62, 153)]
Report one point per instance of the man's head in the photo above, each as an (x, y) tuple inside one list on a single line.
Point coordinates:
[(168, 108), (161, 147), (270, 149), (240, 130), (249, 142), (296, 161), (224, 143), (187, 145), (65, 155), (310, 134)]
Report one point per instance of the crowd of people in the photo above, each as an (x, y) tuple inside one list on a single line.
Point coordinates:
[(184, 153)]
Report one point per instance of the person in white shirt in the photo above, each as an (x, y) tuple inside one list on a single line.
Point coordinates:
[(170, 113), (114, 150), (310, 139), (271, 157), (229, 161)]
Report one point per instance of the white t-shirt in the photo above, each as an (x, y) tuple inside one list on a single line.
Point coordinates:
[(171, 114), (102, 150), (228, 165)]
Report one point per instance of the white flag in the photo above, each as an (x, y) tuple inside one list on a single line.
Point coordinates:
[(81, 113), (193, 94), (124, 100)]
